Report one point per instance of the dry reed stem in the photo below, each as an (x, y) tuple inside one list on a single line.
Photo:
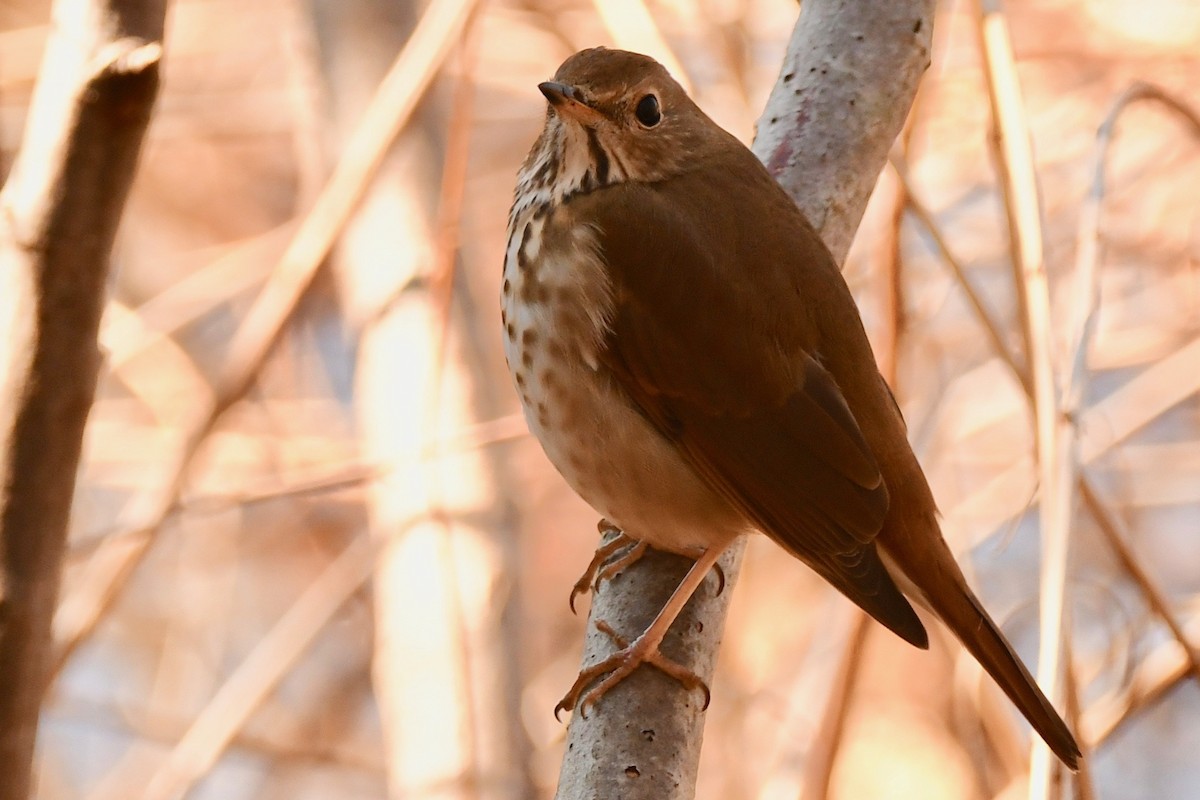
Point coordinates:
[(1083, 780), (386, 116), (1054, 437)]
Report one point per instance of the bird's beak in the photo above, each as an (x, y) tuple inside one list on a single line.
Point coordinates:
[(567, 100)]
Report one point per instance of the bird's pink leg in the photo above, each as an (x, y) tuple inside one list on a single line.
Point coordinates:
[(644, 649)]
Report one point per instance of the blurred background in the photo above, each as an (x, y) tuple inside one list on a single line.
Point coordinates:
[(348, 577)]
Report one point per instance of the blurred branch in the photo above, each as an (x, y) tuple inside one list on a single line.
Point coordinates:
[(632, 27), (1088, 239), (1055, 436), (825, 139), (59, 213), (241, 265), (270, 660), (985, 318), (387, 115), (1118, 540), (1159, 672), (818, 767), (450, 204), (470, 437), (894, 312)]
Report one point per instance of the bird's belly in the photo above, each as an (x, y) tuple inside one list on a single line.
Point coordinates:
[(622, 466)]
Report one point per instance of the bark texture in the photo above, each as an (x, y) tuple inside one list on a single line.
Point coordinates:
[(59, 213), (846, 85)]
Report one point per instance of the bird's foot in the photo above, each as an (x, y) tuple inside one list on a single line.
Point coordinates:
[(619, 666), (600, 568)]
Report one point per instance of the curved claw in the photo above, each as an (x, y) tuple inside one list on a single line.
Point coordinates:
[(720, 573), (599, 568)]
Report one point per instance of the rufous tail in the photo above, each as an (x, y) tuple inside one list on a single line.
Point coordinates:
[(933, 579), (973, 626)]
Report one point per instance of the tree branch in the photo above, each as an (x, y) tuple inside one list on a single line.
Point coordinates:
[(849, 77), (59, 213)]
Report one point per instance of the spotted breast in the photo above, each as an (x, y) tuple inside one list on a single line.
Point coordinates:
[(555, 306)]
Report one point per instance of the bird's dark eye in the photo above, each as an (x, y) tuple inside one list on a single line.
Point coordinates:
[(647, 111)]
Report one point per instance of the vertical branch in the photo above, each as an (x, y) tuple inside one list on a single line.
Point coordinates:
[(848, 80), (844, 91), (1054, 435), (59, 210)]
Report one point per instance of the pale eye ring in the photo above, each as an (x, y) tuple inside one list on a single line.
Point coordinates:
[(648, 112)]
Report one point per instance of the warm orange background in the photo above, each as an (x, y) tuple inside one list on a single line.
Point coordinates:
[(243, 650)]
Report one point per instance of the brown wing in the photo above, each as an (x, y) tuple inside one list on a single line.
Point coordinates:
[(736, 383)]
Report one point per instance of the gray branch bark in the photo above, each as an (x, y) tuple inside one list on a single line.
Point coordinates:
[(59, 213), (849, 78)]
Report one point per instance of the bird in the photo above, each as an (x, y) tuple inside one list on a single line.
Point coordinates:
[(692, 362)]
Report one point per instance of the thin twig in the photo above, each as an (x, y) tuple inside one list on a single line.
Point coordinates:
[(1118, 540), (1083, 780), (1088, 240), (827, 742), (982, 314), (1087, 294)]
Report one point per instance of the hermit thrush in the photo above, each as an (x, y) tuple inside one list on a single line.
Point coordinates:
[(692, 362)]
